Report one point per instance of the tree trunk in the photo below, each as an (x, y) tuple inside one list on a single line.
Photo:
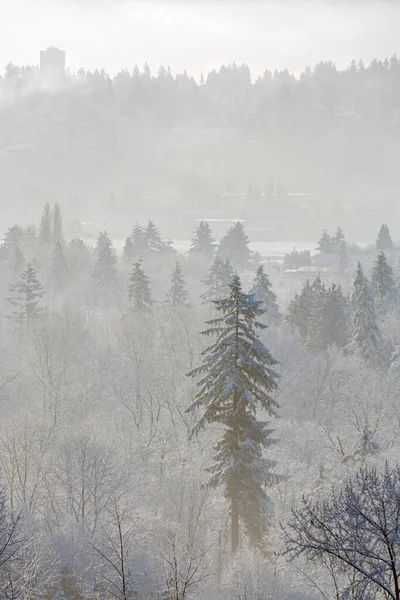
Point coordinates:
[(234, 525)]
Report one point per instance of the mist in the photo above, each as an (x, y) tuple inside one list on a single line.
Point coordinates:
[(199, 300)]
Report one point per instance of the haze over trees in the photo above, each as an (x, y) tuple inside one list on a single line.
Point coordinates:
[(200, 332)]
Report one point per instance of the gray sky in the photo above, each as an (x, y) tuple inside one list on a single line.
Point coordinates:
[(198, 36)]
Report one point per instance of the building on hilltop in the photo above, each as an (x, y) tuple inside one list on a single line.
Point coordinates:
[(53, 60)]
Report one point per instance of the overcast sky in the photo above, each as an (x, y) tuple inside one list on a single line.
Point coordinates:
[(196, 35)]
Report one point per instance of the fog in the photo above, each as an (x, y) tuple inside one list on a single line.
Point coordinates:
[(199, 300), (199, 36)]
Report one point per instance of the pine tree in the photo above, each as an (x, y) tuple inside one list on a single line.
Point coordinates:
[(339, 239), (325, 243), (234, 245), (236, 379), (104, 273), (383, 285), (217, 281), (58, 273), (136, 245), (300, 311), (342, 260), (384, 240), (46, 223), (262, 288), (365, 335), (57, 224), (154, 241), (27, 293), (203, 243), (139, 294), (177, 294), (329, 322)]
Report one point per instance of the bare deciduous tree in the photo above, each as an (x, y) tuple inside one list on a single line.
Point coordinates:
[(358, 529)]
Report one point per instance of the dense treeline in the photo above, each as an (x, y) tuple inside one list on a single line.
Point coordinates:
[(140, 459)]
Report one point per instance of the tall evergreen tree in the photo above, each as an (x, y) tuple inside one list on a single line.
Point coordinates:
[(325, 243), (383, 284), (262, 289), (27, 293), (58, 273), (154, 241), (365, 335), (300, 311), (46, 225), (139, 294), (104, 273), (177, 293), (203, 243), (329, 321), (57, 224), (236, 379), (235, 246), (217, 281), (384, 240), (136, 245)]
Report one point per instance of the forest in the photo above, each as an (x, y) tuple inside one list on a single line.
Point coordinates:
[(198, 425)]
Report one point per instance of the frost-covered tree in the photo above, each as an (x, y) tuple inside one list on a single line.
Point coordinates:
[(329, 320), (339, 239), (365, 334), (104, 273), (355, 530), (177, 293), (383, 284), (262, 289), (136, 245), (57, 224), (218, 280), (202, 243), (237, 378), (325, 243), (139, 294), (154, 241), (300, 310), (27, 294), (57, 279), (384, 240), (46, 225), (235, 246)]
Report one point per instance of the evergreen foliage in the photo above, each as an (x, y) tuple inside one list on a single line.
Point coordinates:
[(177, 294), (139, 294), (237, 378), (383, 284), (365, 335), (262, 289), (296, 259), (325, 244), (136, 246), (104, 273), (58, 272), (218, 280), (384, 240), (27, 293), (234, 246), (202, 243)]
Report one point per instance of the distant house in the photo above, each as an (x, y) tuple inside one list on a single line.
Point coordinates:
[(304, 273), (52, 60)]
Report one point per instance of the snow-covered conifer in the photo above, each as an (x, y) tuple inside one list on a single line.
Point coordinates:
[(104, 273), (384, 240), (136, 246), (139, 294), (202, 243), (365, 335), (383, 284), (177, 293), (262, 289), (58, 273), (237, 377), (234, 245), (218, 280), (27, 293)]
